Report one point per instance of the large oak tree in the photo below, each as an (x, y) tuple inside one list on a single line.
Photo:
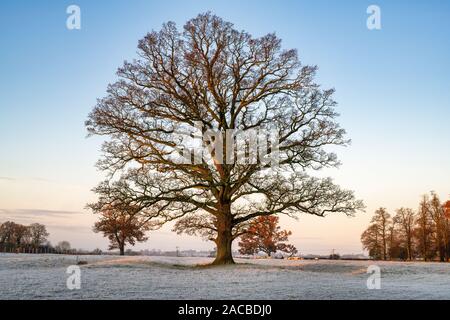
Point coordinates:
[(223, 78)]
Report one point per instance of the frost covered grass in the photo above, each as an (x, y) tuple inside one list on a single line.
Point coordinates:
[(113, 277)]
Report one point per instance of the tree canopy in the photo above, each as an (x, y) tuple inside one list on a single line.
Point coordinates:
[(212, 74)]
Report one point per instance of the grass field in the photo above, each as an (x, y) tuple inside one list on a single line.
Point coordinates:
[(112, 277)]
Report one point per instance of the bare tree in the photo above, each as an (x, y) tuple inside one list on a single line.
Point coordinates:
[(405, 218), (383, 220), (446, 209), (370, 239), (7, 230), (424, 229), (63, 246), (14, 235), (394, 248), (440, 226), (224, 79), (38, 234)]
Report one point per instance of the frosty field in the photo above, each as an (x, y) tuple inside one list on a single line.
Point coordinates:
[(112, 277)]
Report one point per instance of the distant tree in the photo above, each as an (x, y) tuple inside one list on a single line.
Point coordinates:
[(38, 234), (121, 224), (63, 246), (289, 249), (446, 208), (14, 235), (440, 227), (424, 229), (7, 232), (97, 251), (371, 241), (2, 234), (394, 246), (424, 234), (212, 74), (22, 235), (335, 256), (47, 247), (383, 221), (405, 219), (264, 234)]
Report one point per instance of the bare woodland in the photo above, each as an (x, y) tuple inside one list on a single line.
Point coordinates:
[(20, 238), (422, 234)]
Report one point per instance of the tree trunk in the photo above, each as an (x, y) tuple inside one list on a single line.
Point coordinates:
[(224, 240), (446, 242), (122, 249), (425, 251), (409, 250), (441, 254)]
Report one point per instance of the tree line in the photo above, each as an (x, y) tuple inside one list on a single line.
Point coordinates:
[(422, 234), (15, 237)]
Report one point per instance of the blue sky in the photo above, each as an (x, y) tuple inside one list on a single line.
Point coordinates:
[(392, 86)]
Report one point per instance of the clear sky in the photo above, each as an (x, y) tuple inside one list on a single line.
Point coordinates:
[(392, 86)]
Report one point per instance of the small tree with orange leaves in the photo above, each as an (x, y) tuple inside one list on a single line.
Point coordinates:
[(121, 224), (264, 235)]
